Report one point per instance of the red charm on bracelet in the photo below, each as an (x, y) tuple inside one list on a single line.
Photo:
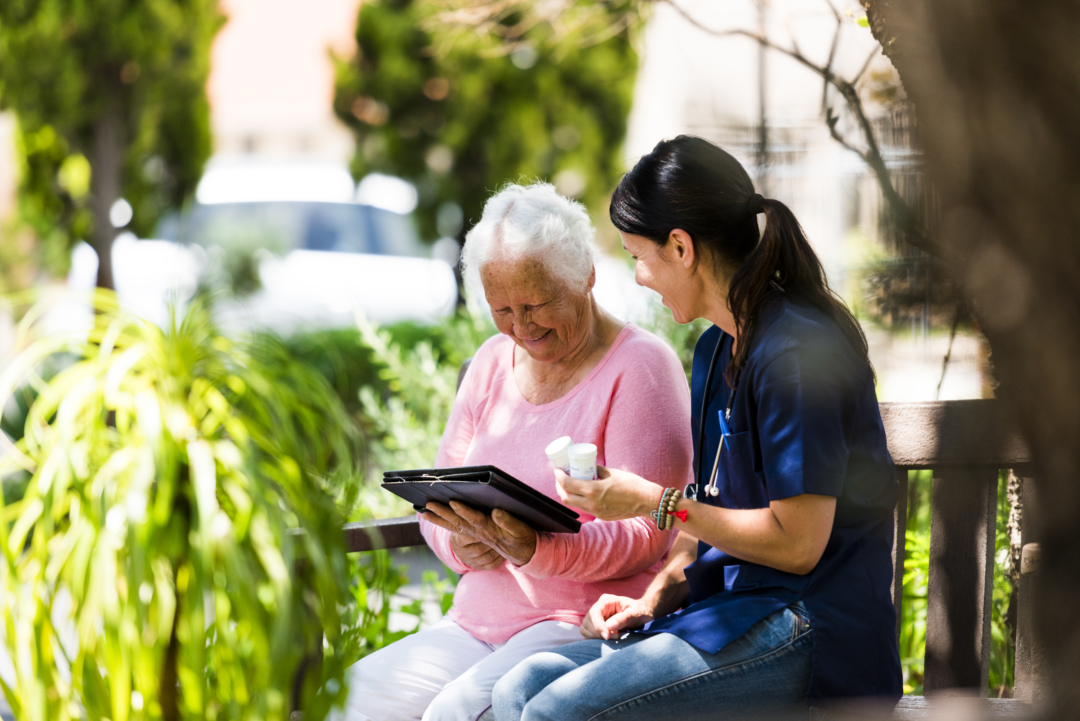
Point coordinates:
[(681, 515)]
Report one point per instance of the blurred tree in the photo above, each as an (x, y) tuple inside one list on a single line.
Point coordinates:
[(995, 86), (110, 97), (460, 113)]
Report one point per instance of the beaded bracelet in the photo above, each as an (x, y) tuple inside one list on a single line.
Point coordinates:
[(662, 515), (672, 501), (659, 515)]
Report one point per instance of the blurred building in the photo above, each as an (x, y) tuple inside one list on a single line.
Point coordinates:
[(727, 89), (271, 81)]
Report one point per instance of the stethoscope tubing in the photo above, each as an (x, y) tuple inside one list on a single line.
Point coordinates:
[(724, 429), (706, 397)]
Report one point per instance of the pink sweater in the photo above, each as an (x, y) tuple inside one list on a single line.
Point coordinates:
[(635, 406)]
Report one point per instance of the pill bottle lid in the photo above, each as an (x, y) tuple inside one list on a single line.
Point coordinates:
[(582, 450), (558, 446)]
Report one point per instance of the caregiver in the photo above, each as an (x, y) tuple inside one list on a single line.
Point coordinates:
[(782, 567)]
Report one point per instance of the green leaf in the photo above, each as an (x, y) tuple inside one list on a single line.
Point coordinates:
[(12, 699)]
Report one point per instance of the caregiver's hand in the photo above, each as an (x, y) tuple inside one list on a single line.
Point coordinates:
[(475, 554), (512, 539), (611, 614), (613, 496)]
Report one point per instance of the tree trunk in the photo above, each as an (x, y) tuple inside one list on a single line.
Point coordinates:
[(169, 691), (106, 176), (996, 89)]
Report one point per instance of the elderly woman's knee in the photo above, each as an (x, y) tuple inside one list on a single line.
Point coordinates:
[(459, 699)]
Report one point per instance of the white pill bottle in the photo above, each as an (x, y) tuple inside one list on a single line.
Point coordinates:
[(558, 452), (583, 461)]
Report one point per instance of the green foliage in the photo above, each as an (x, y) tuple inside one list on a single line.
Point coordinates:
[(1002, 625), (375, 580), (378, 581), (916, 574), (406, 425), (458, 115), (339, 354), (913, 611), (73, 70), (54, 186), (149, 570), (367, 364), (682, 338)]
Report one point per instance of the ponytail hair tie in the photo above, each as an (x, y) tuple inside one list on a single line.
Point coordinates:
[(755, 204)]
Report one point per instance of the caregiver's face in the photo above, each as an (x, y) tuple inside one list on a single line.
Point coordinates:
[(542, 315), (660, 268)]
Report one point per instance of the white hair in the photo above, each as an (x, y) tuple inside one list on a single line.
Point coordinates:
[(532, 221)]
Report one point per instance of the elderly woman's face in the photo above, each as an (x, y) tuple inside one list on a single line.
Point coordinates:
[(543, 316)]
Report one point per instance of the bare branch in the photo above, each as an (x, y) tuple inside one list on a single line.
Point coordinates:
[(832, 54), (948, 353), (835, 12), (903, 215), (831, 121), (795, 45), (866, 65), (836, 37)]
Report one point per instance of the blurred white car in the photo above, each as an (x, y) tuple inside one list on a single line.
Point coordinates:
[(293, 238)]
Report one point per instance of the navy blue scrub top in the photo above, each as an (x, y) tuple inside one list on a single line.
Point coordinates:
[(805, 419)]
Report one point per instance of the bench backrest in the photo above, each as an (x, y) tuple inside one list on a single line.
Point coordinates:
[(965, 443)]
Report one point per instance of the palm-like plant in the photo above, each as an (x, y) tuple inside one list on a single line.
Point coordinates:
[(152, 569)]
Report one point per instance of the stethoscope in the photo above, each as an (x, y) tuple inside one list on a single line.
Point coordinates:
[(725, 430)]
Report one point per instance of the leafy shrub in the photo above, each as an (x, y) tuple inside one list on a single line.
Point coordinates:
[(405, 423), (150, 570), (375, 581)]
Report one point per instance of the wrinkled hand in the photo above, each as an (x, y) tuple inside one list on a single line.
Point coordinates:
[(613, 496), (509, 537), (475, 554), (611, 614)]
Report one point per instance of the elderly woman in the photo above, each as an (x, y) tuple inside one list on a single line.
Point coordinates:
[(561, 366)]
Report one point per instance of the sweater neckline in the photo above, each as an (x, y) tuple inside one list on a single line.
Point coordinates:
[(533, 408)]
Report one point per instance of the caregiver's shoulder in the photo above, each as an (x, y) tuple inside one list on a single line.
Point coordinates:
[(794, 328)]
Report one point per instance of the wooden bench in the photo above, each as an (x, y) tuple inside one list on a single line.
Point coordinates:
[(965, 443)]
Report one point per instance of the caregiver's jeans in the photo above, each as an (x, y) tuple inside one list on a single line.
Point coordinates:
[(649, 677)]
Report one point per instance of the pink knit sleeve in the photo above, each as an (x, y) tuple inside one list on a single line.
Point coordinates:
[(452, 450), (647, 433)]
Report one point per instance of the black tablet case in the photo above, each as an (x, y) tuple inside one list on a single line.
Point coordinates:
[(483, 488)]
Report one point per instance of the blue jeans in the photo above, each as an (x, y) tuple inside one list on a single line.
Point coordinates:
[(649, 677)]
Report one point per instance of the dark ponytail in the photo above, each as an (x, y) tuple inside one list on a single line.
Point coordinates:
[(691, 184)]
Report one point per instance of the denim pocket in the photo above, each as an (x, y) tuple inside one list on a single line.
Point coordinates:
[(800, 622)]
